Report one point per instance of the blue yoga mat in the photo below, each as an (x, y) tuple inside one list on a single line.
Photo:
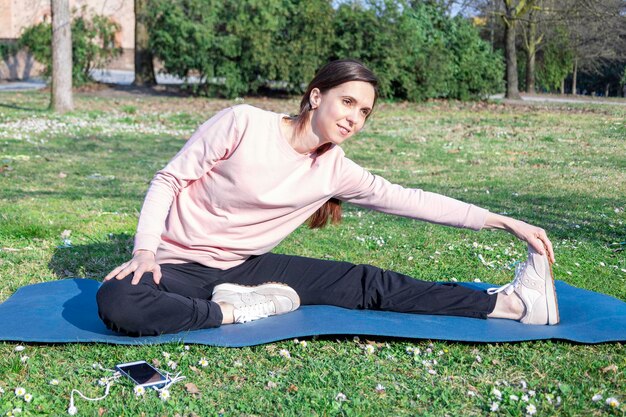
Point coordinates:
[(65, 311)]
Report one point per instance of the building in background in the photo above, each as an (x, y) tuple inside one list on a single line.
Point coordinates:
[(16, 15)]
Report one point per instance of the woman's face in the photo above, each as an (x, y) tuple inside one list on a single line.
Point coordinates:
[(341, 111)]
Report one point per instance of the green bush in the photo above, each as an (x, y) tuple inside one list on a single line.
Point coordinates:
[(241, 47), (556, 61), (93, 45), (417, 51)]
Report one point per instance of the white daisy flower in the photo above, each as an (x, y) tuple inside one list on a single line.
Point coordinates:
[(303, 343), (54, 382), (28, 397), (369, 349), (237, 364), (285, 353), (494, 406), (17, 410), (531, 393), (24, 358), (341, 397), (139, 391), (186, 347), (164, 395), (166, 355), (19, 348), (172, 364), (471, 393), (523, 384), (203, 362), (19, 392), (496, 393), (380, 388), (531, 409), (103, 381), (525, 398), (596, 398), (612, 402), (432, 372), (479, 359), (513, 397)]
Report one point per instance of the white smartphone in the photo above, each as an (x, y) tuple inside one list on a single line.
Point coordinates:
[(143, 374)]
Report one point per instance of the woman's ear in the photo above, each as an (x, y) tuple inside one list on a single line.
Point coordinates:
[(315, 98)]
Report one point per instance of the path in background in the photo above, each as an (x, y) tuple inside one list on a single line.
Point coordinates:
[(125, 78), (560, 99), (117, 77)]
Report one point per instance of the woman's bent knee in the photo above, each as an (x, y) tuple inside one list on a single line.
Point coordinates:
[(120, 306)]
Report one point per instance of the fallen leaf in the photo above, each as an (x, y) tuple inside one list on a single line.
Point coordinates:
[(156, 363), (292, 388), (101, 411), (193, 368), (192, 388), (610, 368), (377, 344), (62, 175)]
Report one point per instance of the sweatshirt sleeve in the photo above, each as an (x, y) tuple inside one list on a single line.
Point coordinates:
[(362, 188), (214, 140)]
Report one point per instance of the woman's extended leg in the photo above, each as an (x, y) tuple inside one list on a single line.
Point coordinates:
[(361, 286)]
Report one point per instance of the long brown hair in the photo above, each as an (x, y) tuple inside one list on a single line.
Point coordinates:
[(330, 76)]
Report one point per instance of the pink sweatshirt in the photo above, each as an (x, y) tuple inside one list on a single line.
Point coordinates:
[(237, 188)]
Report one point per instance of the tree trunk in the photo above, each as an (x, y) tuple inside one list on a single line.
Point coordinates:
[(512, 85), (575, 74), (531, 52), (144, 67), (607, 90), (563, 86), (61, 99)]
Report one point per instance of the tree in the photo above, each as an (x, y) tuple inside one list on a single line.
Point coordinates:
[(531, 42), (514, 10), (61, 99), (597, 35), (144, 67)]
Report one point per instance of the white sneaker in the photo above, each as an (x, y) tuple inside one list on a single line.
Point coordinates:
[(253, 303), (534, 285)]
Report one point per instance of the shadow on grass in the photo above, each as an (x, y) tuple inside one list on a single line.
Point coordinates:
[(94, 260), (32, 109)]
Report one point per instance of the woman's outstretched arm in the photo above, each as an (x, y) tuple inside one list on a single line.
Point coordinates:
[(535, 236)]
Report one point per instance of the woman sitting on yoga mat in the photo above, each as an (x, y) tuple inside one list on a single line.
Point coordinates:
[(249, 177)]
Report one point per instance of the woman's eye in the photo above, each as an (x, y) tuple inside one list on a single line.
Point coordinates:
[(347, 101), (365, 112)]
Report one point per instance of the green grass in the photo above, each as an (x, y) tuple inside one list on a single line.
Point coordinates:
[(561, 167)]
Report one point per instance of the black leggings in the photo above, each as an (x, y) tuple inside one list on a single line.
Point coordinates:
[(182, 300)]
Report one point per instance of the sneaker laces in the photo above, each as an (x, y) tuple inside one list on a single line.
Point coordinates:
[(511, 286), (247, 313)]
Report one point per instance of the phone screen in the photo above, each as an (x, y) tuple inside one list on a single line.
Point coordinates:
[(142, 373)]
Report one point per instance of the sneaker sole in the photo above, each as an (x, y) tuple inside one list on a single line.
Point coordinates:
[(553, 302), (269, 288)]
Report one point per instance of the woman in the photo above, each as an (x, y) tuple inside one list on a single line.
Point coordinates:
[(246, 179)]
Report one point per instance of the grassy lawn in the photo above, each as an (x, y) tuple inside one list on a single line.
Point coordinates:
[(71, 188)]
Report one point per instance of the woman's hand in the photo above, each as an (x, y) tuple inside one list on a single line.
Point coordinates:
[(143, 261), (533, 235)]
